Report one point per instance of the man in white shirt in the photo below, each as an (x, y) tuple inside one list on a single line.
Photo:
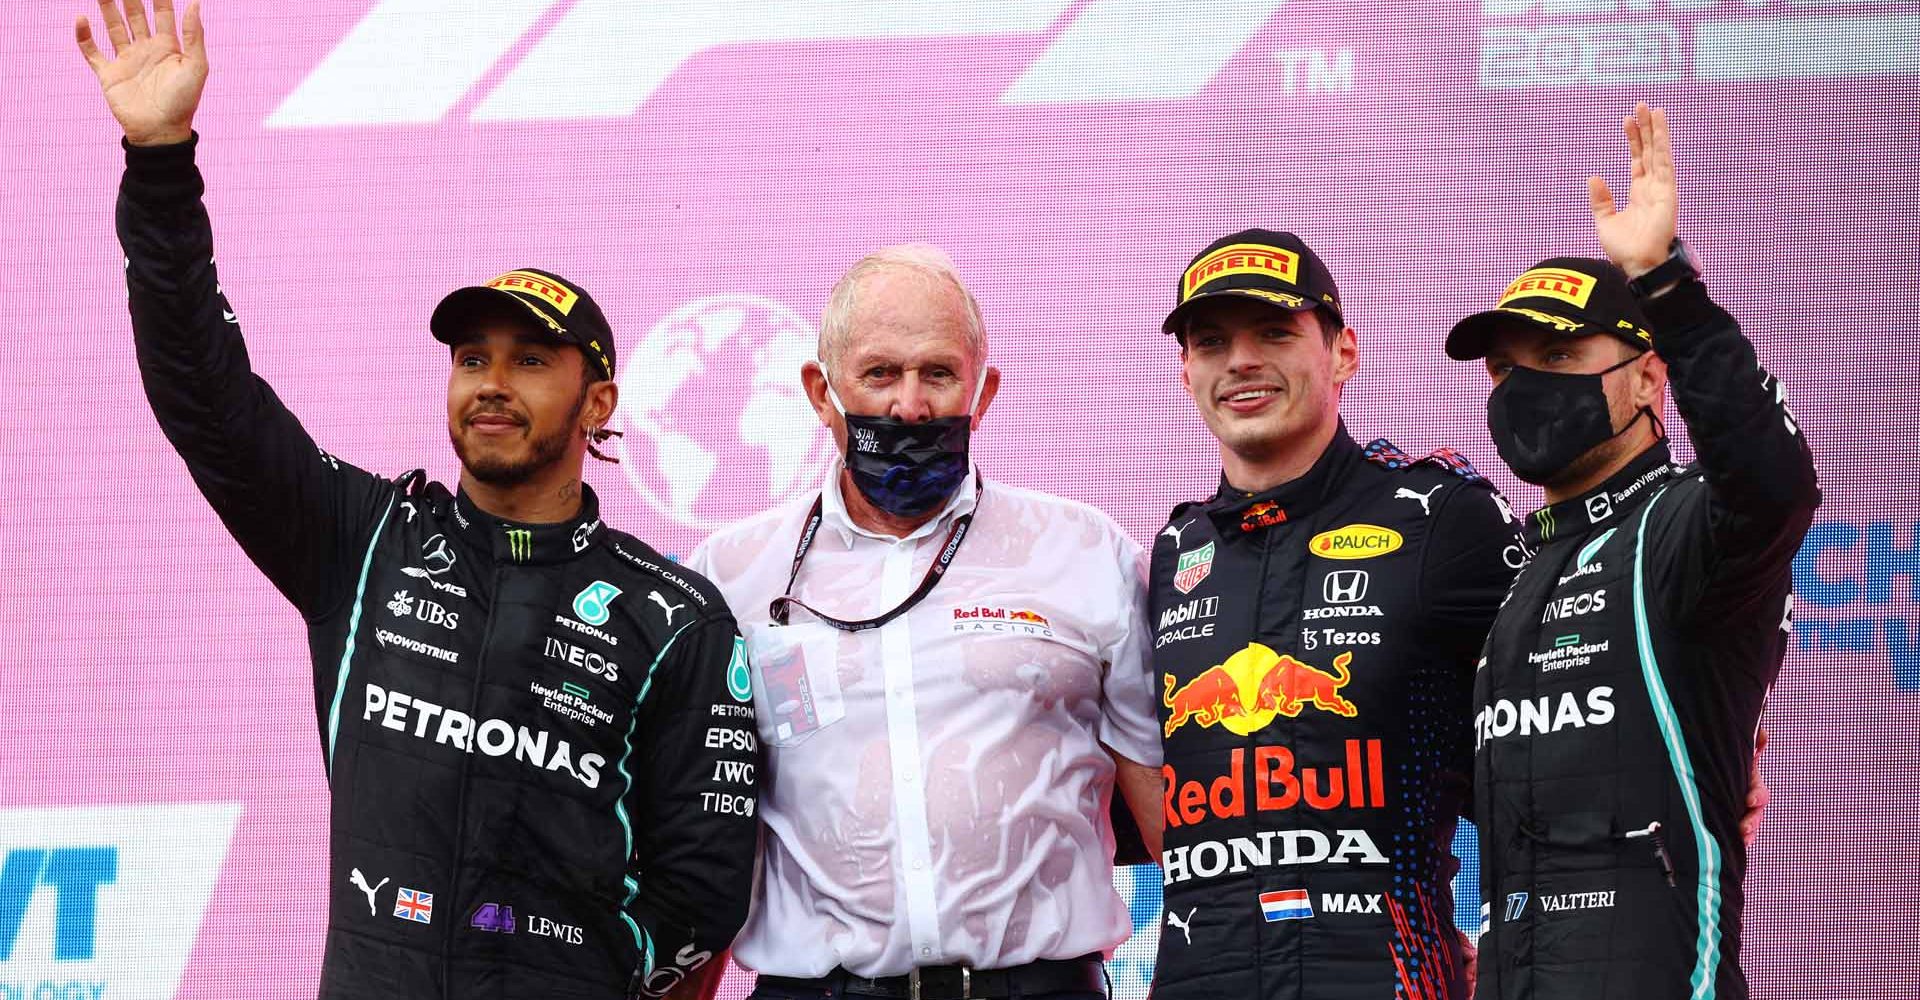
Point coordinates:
[(951, 678)]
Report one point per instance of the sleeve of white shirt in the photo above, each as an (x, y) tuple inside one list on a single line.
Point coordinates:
[(701, 562), (1130, 720)]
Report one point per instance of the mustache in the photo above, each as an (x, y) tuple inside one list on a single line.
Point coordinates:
[(493, 411)]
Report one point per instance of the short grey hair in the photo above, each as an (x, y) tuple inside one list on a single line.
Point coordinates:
[(931, 264)]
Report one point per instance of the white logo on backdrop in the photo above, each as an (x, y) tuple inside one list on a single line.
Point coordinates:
[(718, 426), (106, 901), (1567, 43), (605, 58)]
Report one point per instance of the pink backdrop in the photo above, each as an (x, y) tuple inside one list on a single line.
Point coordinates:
[(708, 169)]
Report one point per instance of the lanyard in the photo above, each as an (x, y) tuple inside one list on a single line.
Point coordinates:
[(778, 611)]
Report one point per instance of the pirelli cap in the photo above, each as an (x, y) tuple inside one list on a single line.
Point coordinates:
[(1570, 296), (1273, 267), (541, 300)]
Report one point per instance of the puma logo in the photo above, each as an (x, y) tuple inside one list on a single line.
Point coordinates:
[(1406, 494), (1186, 928), (360, 881), (655, 597), (1175, 533)]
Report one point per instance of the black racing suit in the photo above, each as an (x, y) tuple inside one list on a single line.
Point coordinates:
[(1316, 645), (1622, 686), (539, 737)]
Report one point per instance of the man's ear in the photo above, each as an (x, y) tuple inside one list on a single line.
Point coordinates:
[(1346, 355), (1650, 383), (813, 380), (988, 389), (603, 398)]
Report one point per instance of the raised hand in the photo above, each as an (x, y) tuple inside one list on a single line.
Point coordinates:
[(153, 81), (1639, 236)]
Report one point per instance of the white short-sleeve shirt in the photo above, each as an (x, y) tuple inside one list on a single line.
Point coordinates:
[(935, 791)]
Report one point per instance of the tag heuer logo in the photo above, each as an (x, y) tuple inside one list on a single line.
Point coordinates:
[(1193, 568)]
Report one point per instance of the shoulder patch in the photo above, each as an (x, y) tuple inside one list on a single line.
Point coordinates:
[(1382, 452), (659, 571)]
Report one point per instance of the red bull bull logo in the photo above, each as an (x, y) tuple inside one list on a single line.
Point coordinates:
[(1264, 514), (1245, 694)]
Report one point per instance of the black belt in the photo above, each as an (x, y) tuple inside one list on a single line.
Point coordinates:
[(957, 982)]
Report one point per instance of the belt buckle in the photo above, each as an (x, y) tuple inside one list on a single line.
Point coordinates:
[(966, 983)]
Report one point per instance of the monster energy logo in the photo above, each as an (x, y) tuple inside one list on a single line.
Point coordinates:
[(520, 544), (1545, 516)]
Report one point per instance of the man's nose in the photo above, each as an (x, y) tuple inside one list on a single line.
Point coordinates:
[(911, 401)]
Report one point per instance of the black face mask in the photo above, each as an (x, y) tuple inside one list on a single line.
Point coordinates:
[(1543, 421), (904, 468)]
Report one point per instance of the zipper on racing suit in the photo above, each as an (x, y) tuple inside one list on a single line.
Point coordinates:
[(454, 868)]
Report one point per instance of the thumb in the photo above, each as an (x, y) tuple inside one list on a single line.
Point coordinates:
[(1599, 198), (193, 37)]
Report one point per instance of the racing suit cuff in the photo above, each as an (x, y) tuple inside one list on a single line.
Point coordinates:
[(162, 173), (1684, 307)]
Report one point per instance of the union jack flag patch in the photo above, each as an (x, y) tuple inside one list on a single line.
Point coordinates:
[(414, 905)]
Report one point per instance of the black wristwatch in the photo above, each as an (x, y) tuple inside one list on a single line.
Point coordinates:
[(1680, 265)]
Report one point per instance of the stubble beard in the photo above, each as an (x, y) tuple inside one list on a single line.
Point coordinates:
[(541, 454)]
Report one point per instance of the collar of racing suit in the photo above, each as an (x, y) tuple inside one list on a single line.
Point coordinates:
[(1233, 509), (1621, 492), (530, 544)]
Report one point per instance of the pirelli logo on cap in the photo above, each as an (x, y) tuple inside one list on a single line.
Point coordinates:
[(528, 283), (1552, 283), (1241, 258)]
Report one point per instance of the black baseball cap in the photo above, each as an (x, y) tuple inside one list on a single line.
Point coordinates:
[(541, 300), (1273, 267), (1571, 296)]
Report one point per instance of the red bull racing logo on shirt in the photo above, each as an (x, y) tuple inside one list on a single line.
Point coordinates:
[(1244, 694), (1018, 621)]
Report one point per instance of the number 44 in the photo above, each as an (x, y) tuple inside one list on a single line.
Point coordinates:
[(493, 917)]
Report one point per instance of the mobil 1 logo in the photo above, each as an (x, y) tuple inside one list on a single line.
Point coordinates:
[(1186, 620)]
